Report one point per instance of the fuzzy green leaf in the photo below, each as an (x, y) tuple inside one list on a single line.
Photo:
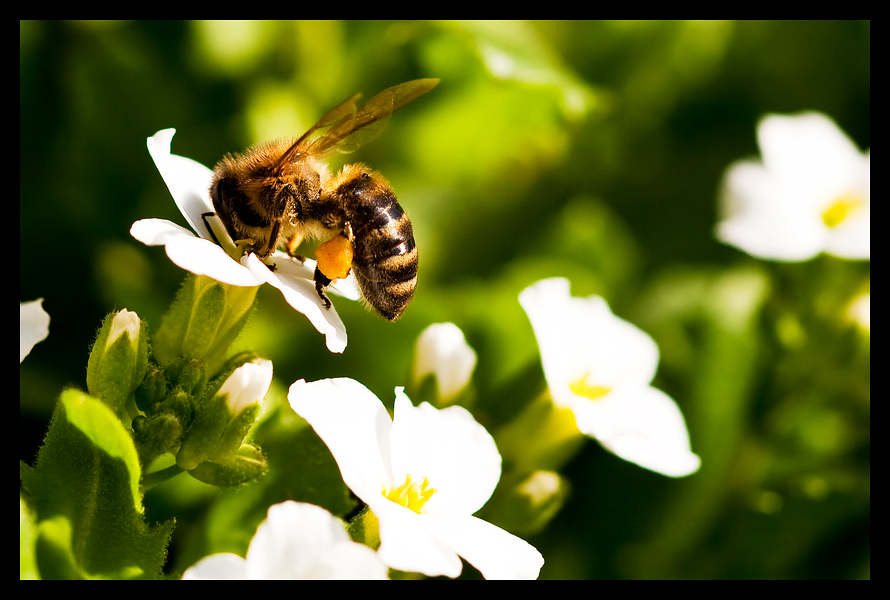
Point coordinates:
[(85, 493)]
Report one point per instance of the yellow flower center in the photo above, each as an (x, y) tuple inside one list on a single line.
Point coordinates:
[(584, 389), (841, 208), (412, 495)]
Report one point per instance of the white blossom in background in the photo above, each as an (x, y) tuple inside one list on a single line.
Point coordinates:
[(423, 473), (33, 326), (189, 184), (601, 367), (442, 351), (296, 541), (859, 311), (809, 193)]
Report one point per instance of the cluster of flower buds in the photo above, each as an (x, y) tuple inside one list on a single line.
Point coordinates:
[(179, 400)]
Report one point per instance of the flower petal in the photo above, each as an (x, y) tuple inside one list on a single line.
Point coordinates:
[(851, 239), (303, 541), (188, 180), (33, 326), (194, 254), (859, 311), (289, 277), (448, 447), (350, 561), (348, 288), (218, 566), (496, 553), (642, 425), (247, 384), (355, 427), (581, 340), (767, 216), (809, 149), (406, 544)]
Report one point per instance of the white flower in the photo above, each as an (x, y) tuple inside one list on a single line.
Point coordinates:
[(859, 311), (442, 351), (33, 326), (601, 367), (422, 473), (189, 184), (810, 193), (296, 541)]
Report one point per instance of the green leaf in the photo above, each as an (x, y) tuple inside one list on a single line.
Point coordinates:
[(85, 493), (27, 539)]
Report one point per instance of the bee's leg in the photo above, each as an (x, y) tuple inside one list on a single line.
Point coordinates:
[(321, 282), (292, 244), (273, 240)]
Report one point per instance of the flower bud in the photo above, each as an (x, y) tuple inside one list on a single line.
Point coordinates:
[(245, 465), (203, 321), (156, 435), (542, 436), (443, 352), (225, 418), (189, 374), (247, 385), (118, 360), (178, 403), (524, 503), (152, 389)]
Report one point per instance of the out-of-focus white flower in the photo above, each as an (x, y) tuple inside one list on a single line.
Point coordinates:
[(442, 351), (422, 473), (189, 184), (601, 367), (859, 311), (33, 326), (296, 541), (809, 193)]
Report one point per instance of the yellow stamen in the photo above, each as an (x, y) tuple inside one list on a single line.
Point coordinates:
[(584, 389), (335, 258), (841, 208), (411, 495)]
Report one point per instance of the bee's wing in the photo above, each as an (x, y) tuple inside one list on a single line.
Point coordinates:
[(348, 128), (342, 112)]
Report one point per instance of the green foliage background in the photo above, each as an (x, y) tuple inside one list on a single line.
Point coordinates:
[(590, 150)]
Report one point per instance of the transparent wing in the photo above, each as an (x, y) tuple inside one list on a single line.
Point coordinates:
[(345, 128)]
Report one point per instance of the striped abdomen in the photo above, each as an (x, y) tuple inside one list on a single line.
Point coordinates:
[(385, 257)]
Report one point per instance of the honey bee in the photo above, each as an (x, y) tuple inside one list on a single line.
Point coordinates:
[(281, 192)]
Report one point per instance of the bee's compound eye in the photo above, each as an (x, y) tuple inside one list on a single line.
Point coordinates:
[(335, 258)]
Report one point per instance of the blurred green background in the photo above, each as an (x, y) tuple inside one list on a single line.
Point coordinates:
[(590, 150)]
